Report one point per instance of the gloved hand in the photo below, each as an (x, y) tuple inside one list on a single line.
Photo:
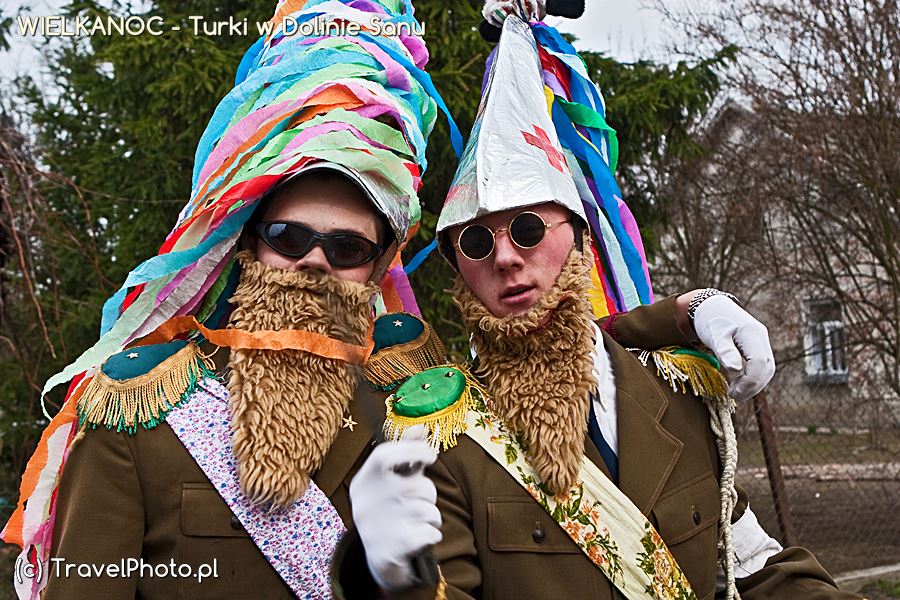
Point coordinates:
[(496, 11), (394, 508), (740, 342)]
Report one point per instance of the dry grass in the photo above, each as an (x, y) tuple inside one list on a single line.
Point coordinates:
[(822, 447)]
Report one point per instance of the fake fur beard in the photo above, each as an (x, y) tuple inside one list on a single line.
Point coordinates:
[(540, 378), (287, 405)]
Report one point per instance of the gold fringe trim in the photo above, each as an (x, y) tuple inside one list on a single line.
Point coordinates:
[(144, 400), (444, 426), (391, 365), (686, 370)]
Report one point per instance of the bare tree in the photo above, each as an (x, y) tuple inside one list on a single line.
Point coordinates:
[(818, 157), (714, 217), (35, 314)]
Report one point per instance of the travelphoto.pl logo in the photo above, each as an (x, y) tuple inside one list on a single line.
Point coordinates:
[(125, 568)]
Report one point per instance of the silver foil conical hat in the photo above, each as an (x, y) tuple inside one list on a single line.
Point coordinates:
[(513, 158)]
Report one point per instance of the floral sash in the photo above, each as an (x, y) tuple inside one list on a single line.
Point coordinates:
[(607, 526), (298, 541)]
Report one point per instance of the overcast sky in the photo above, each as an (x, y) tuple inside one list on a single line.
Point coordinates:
[(621, 28)]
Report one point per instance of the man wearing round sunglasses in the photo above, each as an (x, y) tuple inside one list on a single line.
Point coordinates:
[(501, 241), (588, 471)]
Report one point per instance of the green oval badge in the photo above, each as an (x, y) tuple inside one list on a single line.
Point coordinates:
[(429, 391)]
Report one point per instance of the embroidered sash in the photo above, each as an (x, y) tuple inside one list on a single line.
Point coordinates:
[(297, 541), (607, 526)]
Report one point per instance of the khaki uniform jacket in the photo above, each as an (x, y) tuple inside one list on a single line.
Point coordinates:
[(142, 496), (499, 544)]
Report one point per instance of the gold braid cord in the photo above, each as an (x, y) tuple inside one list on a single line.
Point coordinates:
[(441, 593)]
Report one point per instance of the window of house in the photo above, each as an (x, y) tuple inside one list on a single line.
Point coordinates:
[(825, 342)]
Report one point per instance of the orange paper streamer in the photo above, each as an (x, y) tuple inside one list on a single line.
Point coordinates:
[(291, 339), (12, 533)]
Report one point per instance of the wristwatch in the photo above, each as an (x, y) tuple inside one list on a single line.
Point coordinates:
[(706, 294)]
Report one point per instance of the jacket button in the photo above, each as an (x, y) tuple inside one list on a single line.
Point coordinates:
[(538, 535), (236, 524), (697, 517)]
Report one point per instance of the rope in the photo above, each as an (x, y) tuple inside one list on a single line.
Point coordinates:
[(691, 369), (726, 443)]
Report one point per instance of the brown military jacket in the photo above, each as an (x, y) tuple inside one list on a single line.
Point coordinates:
[(131, 496), (499, 544), (142, 496)]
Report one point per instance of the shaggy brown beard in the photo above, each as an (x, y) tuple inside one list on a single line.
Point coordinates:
[(540, 375), (287, 405)]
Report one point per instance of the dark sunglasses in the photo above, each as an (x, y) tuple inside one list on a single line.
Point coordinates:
[(526, 230), (296, 241)]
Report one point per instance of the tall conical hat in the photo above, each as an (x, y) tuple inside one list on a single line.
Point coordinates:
[(513, 157), (308, 94), (541, 136)]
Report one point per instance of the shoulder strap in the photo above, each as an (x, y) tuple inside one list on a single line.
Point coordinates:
[(298, 540), (688, 369)]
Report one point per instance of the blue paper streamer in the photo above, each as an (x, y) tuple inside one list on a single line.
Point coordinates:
[(607, 188), (424, 80), (420, 257), (171, 262)]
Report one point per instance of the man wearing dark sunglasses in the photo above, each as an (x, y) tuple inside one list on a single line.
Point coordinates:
[(322, 221), (588, 471), (217, 421)]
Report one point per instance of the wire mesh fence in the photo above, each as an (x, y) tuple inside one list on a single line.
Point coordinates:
[(820, 460)]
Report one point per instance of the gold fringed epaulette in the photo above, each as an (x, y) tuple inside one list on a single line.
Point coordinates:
[(140, 386), (686, 367), (404, 345), (438, 398)]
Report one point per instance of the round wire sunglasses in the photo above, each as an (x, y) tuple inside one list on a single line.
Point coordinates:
[(526, 230)]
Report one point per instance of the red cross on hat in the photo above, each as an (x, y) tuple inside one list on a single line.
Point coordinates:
[(542, 140)]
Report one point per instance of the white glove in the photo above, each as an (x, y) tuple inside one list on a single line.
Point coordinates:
[(740, 342), (394, 508), (496, 11)]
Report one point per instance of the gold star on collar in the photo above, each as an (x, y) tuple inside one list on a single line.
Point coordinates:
[(349, 423)]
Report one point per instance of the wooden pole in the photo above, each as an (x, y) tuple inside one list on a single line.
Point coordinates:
[(773, 467)]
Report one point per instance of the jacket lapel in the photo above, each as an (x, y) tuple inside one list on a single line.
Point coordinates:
[(647, 452), (367, 410)]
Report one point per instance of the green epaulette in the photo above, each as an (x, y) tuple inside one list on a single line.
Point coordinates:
[(404, 346), (438, 398), (141, 385), (409, 358), (683, 367)]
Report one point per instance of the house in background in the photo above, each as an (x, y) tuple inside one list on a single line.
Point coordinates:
[(735, 224)]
